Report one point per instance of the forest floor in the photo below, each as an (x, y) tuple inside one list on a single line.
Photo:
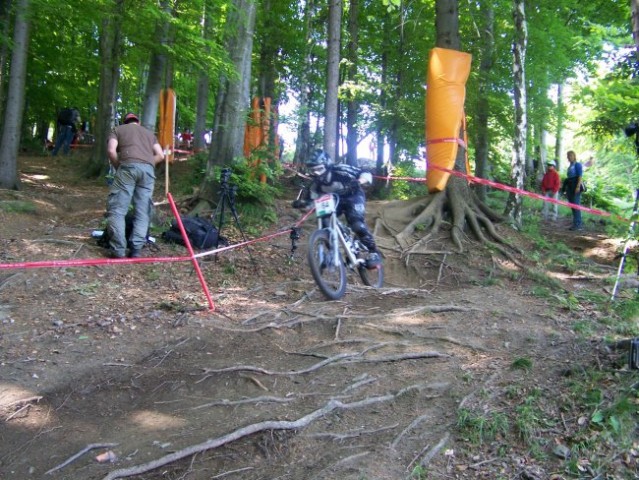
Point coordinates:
[(124, 364)]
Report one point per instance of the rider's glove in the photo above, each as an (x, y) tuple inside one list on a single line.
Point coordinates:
[(299, 203)]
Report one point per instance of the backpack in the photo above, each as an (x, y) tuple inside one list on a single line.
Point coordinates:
[(202, 233), (67, 116), (105, 238)]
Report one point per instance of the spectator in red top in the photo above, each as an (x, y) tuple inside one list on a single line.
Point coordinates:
[(187, 138), (550, 185)]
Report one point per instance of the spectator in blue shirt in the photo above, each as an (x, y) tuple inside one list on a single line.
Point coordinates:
[(572, 188)]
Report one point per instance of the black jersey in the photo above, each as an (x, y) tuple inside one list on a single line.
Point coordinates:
[(341, 179)]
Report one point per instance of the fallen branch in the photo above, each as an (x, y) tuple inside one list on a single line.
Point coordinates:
[(79, 454), (248, 430)]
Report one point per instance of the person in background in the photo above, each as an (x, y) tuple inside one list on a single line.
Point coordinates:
[(187, 138), (67, 127), (550, 185), (573, 188), (134, 152)]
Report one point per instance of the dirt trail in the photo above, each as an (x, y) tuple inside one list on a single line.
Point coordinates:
[(118, 355)]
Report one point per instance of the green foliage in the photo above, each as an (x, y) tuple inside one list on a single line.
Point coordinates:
[(569, 302), (627, 309), (522, 363), (246, 176), (17, 206), (478, 428), (186, 184), (403, 189), (418, 473)]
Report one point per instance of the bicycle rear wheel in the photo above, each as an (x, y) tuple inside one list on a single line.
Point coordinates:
[(330, 278), (373, 277)]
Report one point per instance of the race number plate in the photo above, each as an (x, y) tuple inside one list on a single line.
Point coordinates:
[(324, 205)]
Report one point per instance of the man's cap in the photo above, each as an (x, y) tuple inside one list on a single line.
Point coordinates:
[(551, 163), (131, 117)]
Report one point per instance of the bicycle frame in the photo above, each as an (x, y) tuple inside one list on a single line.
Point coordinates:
[(326, 211)]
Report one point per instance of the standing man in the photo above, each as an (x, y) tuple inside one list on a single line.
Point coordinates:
[(573, 188), (67, 126), (134, 152), (550, 188)]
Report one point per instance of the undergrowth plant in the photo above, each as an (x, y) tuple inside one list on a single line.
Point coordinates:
[(17, 206), (253, 180), (405, 189), (481, 427)]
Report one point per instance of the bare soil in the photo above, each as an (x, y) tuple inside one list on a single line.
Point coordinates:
[(126, 360)]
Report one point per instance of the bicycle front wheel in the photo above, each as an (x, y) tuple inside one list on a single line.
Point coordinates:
[(373, 277), (330, 278)]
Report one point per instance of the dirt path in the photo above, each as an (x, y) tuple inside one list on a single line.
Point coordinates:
[(371, 385)]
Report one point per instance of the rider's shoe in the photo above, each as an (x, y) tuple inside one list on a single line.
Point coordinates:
[(373, 261)]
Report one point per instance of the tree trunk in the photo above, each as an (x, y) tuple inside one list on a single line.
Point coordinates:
[(203, 83), (483, 103), (233, 101), (456, 205), (514, 204), (5, 19), (10, 145), (110, 51), (447, 24), (560, 125), (352, 106), (303, 140), (397, 91), (634, 7), (157, 71), (332, 78), (383, 98)]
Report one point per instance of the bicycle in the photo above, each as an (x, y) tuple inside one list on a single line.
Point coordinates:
[(333, 247)]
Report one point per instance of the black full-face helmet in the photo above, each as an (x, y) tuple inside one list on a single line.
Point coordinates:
[(318, 162)]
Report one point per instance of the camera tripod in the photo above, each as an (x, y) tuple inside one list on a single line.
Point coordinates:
[(631, 232), (226, 199)]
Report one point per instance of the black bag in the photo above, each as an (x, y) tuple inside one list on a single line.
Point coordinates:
[(67, 117), (202, 233), (105, 239)]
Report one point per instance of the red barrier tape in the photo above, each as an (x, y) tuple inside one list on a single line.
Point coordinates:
[(507, 188), (458, 141), (114, 261)]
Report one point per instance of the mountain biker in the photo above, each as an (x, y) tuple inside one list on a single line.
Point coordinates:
[(345, 181)]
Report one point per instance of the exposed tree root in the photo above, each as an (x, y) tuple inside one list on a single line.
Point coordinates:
[(249, 430), (457, 206), (73, 458), (339, 359)]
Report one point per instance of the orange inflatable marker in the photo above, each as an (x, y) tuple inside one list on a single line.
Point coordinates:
[(166, 135), (448, 71)]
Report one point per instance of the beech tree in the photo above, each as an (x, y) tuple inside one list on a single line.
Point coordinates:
[(457, 204), (11, 130), (110, 54), (514, 205), (157, 69), (332, 78), (232, 103)]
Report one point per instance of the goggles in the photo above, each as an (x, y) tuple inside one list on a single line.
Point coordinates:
[(317, 170)]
